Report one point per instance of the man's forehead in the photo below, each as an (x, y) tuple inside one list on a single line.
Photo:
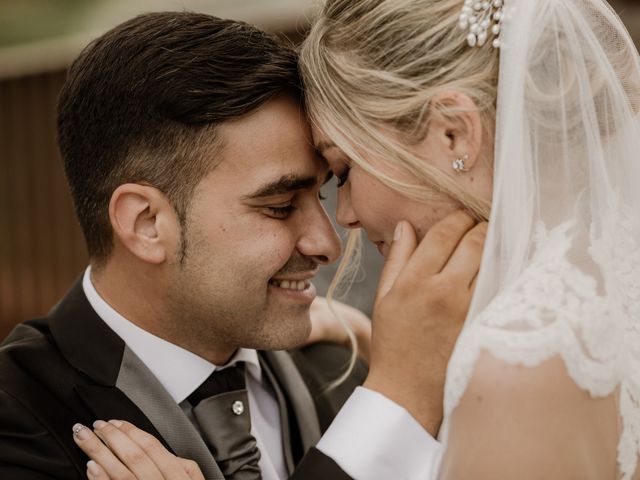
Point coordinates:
[(270, 149)]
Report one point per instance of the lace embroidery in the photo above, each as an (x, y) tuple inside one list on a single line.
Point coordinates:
[(555, 308), (619, 255)]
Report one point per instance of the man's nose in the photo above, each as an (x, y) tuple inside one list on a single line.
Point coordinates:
[(319, 240)]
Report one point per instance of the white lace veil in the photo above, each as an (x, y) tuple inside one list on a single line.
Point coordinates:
[(561, 269)]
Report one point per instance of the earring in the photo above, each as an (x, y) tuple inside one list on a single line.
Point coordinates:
[(459, 164)]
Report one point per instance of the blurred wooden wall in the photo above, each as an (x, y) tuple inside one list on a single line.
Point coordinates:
[(41, 247)]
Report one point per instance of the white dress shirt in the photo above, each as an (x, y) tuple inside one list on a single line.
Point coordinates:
[(372, 437)]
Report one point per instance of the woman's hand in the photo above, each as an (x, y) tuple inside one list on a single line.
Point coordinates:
[(422, 301), (326, 327), (119, 450)]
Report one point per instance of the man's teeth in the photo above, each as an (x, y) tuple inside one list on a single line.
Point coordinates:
[(291, 284)]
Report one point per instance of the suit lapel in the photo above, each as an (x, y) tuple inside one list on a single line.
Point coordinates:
[(107, 403), (296, 391), (142, 387), (289, 435), (84, 339), (121, 385)]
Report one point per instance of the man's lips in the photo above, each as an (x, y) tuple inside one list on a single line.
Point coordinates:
[(297, 276), (298, 285), (295, 281)]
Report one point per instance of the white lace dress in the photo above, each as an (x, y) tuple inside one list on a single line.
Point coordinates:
[(558, 307), (544, 382)]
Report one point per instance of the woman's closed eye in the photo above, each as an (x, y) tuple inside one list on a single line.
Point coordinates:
[(343, 176)]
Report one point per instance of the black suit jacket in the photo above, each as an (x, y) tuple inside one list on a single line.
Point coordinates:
[(62, 369)]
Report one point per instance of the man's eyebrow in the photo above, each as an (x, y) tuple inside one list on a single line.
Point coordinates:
[(285, 184)]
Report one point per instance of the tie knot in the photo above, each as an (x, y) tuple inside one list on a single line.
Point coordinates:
[(220, 381)]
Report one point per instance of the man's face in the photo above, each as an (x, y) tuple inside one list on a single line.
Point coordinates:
[(256, 233)]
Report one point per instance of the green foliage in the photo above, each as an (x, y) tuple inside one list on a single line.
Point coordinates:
[(25, 21)]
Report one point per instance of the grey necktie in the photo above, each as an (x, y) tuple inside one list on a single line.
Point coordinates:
[(221, 409)]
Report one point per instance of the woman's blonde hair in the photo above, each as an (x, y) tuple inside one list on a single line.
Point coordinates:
[(374, 66)]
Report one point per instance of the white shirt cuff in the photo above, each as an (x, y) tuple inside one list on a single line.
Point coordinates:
[(373, 438)]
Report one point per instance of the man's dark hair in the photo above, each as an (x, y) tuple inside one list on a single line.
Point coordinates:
[(141, 104)]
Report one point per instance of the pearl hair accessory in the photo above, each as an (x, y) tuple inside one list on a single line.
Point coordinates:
[(481, 17), (459, 164)]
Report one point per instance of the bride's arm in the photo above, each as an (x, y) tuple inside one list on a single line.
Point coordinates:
[(530, 423)]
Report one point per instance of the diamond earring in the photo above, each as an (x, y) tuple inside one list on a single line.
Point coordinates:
[(459, 164)]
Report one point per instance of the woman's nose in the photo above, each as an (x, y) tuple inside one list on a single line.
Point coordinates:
[(345, 215)]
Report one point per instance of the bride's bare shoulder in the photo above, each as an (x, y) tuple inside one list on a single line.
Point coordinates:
[(529, 423)]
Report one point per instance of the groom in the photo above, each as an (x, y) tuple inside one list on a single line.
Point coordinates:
[(197, 188)]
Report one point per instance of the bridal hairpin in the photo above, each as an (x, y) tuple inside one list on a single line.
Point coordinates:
[(482, 17)]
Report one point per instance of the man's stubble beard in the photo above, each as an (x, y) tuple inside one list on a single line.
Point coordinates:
[(210, 314), (207, 320)]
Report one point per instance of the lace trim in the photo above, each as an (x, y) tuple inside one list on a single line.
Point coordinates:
[(554, 308)]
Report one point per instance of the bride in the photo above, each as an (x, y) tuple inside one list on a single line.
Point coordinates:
[(525, 113)]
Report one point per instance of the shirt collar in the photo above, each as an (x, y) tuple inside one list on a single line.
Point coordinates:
[(179, 371)]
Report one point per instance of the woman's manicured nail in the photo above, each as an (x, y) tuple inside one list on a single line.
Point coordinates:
[(93, 468), (99, 424), (397, 234), (81, 432), (116, 423)]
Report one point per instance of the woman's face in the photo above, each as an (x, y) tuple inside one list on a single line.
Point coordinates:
[(365, 202)]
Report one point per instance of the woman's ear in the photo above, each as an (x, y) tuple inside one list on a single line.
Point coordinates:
[(455, 129), (138, 215)]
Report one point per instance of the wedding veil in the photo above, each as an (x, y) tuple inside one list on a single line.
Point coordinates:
[(560, 274)]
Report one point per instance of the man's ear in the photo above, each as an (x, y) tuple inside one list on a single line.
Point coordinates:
[(456, 127), (139, 215)]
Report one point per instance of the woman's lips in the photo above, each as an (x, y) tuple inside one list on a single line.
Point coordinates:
[(382, 248)]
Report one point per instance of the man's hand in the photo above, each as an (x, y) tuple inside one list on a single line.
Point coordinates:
[(422, 301), (326, 327)]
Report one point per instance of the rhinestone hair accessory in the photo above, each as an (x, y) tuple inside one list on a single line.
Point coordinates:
[(481, 18)]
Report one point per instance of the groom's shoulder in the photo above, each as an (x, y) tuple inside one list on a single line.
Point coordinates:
[(320, 365), (28, 344), (32, 369), (32, 375)]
